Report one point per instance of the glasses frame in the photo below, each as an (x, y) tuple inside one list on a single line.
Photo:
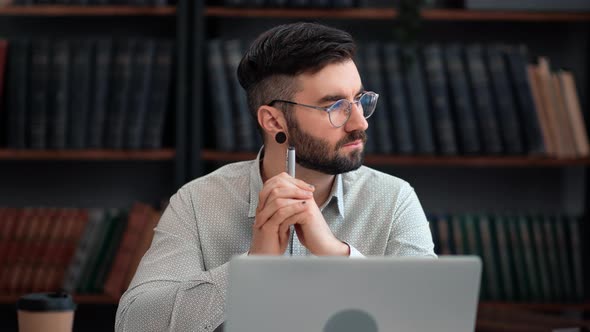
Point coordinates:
[(330, 109)]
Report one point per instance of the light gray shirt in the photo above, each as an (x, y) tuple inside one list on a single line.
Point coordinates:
[(182, 280)]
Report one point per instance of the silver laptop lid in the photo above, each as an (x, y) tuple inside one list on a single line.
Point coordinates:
[(341, 294)]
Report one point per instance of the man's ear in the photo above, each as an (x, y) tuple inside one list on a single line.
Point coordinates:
[(271, 120)]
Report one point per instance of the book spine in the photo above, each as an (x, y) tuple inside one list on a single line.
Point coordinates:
[(159, 95), (80, 94), (375, 82), (488, 122), (120, 81), (18, 93), (139, 91), (542, 249), (416, 91), (520, 84), (100, 93), (491, 266), (466, 120), (59, 95), (398, 104), (439, 102), (244, 127), (39, 78), (508, 280), (509, 121), (550, 238)]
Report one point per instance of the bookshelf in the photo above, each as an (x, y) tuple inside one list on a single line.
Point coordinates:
[(98, 177), (556, 34), (97, 11), (162, 154), (390, 13)]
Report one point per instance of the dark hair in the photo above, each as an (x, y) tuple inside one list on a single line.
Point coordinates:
[(267, 69)]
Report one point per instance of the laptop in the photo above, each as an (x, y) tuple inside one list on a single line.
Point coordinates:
[(270, 294)]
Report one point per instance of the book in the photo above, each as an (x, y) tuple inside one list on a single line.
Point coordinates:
[(546, 129), (244, 126), (130, 239), (508, 282), (481, 92), (119, 96), (139, 90), (468, 138), (158, 103), (416, 92), (3, 66), (437, 84), (563, 116), (59, 94), (509, 121), (574, 111), (398, 103), (100, 93), (374, 82), (490, 261), (80, 89), (41, 69), (520, 84)]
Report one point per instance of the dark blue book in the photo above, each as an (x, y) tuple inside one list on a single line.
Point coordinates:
[(159, 92), (439, 100), (398, 104), (119, 97), (419, 109), (223, 122), (374, 82), (17, 93), (40, 93), (517, 67), (509, 121), (482, 95), (139, 92), (466, 121), (102, 64), (59, 94), (244, 127), (81, 78)]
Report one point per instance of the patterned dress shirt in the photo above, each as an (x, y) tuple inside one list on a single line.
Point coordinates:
[(181, 282)]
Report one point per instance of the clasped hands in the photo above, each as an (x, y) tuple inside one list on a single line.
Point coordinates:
[(285, 201)]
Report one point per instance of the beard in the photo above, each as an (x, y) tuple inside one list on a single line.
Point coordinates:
[(316, 154)]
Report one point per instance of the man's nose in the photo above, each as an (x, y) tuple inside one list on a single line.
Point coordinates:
[(357, 119)]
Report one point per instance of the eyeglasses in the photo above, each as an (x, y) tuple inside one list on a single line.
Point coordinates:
[(340, 111)]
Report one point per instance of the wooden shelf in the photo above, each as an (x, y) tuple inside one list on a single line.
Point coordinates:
[(62, 10), (518, 161), (163, 154), (390, 13), (78, 299), (550, 307)]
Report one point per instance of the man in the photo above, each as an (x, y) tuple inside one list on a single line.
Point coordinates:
[(305, 91)]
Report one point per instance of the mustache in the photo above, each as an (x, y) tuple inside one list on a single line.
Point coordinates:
[(353, 136)]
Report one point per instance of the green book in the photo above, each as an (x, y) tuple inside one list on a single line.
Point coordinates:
[(504, 257), (528, 254), (518, 262), (491, 266), (575, 236), (541, 252), (94, 248), (555, 275), (110, 250)]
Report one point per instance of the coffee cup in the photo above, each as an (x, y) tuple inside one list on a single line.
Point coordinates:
[(48, 312)]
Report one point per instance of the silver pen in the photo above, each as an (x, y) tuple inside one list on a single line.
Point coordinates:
[(291, 161)]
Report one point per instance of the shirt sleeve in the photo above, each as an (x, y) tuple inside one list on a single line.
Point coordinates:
[(410, 235), (171, 289)]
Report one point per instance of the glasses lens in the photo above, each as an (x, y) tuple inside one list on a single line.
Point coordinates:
[(369, 103), (339, 112)]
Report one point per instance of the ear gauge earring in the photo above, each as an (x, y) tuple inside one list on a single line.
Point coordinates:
[(280, 137)]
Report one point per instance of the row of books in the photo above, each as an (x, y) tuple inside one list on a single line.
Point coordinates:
[(89, 2), (537, 258), (450, 99), (80, 94), (86, 251)]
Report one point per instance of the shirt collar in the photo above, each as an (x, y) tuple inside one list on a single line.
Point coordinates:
[(336, 193)]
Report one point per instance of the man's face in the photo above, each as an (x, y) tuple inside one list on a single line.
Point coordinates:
[(318, 144)]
